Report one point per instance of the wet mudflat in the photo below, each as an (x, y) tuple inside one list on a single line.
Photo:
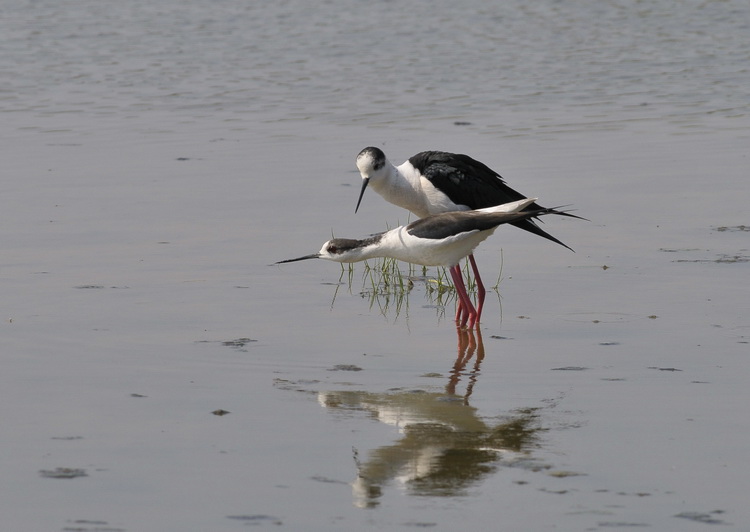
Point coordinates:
[(159, 374)]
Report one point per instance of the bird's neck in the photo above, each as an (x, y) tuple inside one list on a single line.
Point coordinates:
[(401, 187), (368, 248)]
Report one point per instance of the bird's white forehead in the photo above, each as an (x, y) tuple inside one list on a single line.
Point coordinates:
[(370, 160)]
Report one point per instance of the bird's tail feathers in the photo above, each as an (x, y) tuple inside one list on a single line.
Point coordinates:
[(560, 211), (527, 224), (513, 206)]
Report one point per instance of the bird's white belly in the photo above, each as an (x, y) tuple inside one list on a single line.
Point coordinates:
[(426, 252)]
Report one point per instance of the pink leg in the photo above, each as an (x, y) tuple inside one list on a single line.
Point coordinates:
[(480, 286), (460, 310), (470, 312)]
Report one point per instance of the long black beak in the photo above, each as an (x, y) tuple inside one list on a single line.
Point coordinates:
[(362, 192), (315, 256)]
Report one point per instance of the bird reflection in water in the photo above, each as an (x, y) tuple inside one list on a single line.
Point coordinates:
[(445, 447)]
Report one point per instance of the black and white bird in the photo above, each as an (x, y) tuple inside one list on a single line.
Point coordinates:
[(434, 182), (435, 240)]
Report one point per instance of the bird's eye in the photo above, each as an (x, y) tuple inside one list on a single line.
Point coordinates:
[(332, 249)]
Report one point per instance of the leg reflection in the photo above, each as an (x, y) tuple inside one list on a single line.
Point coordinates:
[(469, 344)]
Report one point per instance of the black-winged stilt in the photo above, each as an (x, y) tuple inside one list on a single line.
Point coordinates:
[(434, 182), (436, 240)]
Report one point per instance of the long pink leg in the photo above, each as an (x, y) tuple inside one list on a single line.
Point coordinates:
[(480, 287), (461, 312), (471, 313)]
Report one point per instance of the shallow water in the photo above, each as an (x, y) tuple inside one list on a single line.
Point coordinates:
[(160, 156)]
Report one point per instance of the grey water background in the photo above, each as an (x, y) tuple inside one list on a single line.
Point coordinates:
[(158, 156)]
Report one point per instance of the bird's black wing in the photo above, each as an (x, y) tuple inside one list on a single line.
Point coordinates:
[(469, 182), (449, 224), (464, 180)]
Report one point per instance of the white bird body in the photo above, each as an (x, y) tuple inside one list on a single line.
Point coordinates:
[(433, 182), (406, 187), (436, 240), (401, 245)]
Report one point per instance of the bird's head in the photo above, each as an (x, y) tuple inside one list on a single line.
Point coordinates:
[(371, 163)]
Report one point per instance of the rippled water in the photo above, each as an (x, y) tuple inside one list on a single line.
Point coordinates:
[(158, 374), (511, 68)]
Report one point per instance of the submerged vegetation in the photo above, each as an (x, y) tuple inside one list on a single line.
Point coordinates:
[(387, 283)]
